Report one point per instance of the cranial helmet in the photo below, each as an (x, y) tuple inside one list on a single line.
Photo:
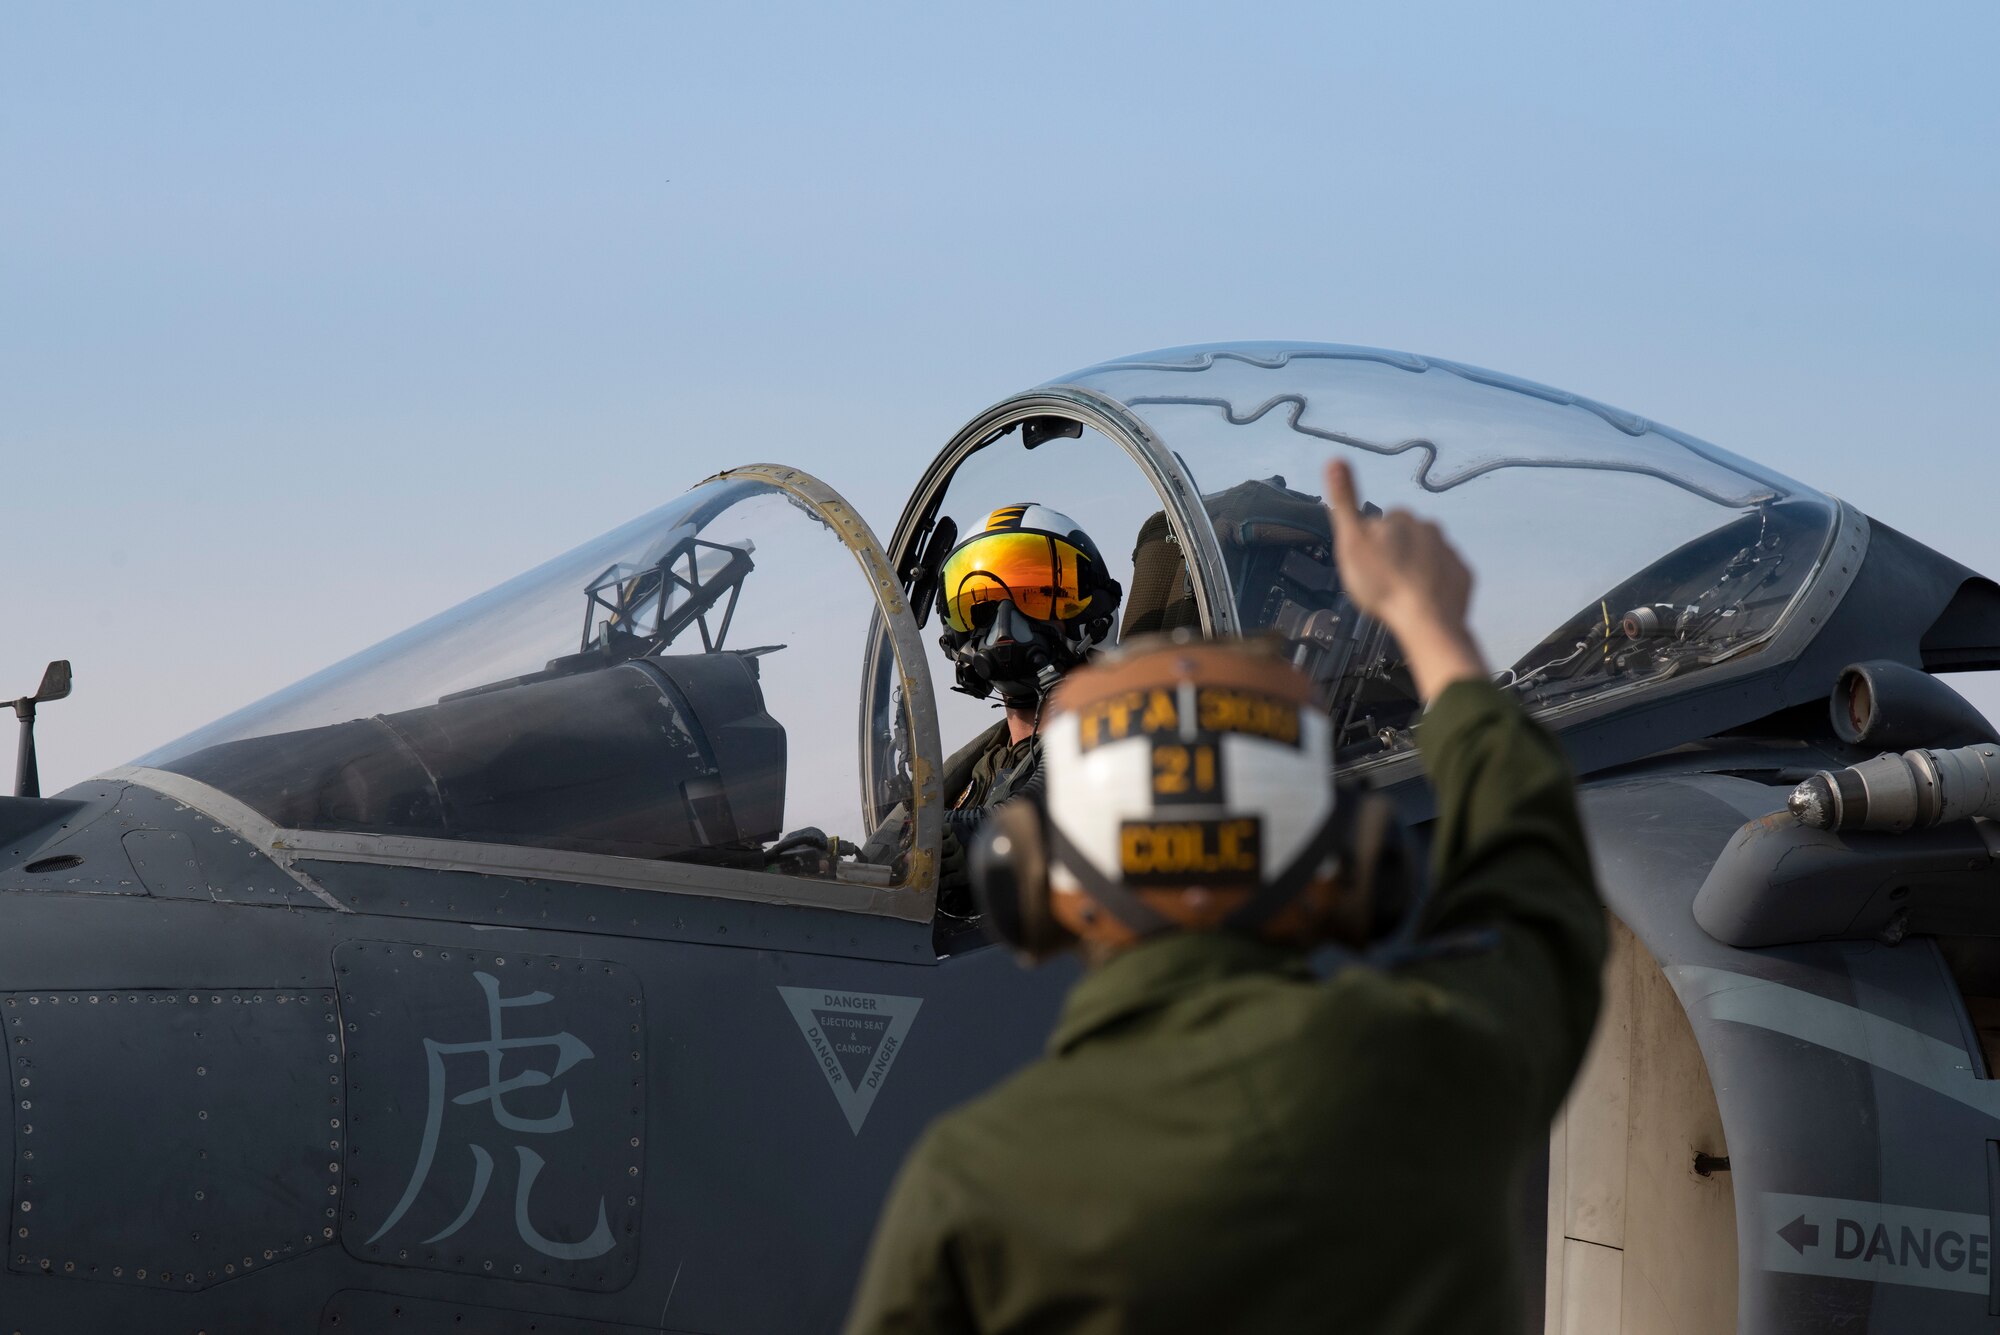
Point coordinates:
[(1023, 600), (1189, 788)]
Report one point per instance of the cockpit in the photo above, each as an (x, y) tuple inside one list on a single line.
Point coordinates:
[(682, 689), (1614, 556), (746, 682)]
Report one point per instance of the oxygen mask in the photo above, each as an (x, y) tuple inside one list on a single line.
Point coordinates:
[(1019, 657)]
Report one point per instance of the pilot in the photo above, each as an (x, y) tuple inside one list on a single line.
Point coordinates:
[(1022, 601), (1227, 1133)]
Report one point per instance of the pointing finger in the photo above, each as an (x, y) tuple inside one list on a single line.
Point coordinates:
[(1341, 500)]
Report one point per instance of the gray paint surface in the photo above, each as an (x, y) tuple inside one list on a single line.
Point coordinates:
[(1842, 1067)]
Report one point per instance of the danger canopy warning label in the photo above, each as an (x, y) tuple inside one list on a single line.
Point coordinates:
[(1886, 1244), (856, 1038)]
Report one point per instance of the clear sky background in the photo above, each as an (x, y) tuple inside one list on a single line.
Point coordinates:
[(316, 319)]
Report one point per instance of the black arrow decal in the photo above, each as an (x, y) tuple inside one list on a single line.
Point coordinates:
[(1800, 1234)]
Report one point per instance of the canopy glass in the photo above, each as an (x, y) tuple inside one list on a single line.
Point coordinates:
[(682, 688), (1611, 553)]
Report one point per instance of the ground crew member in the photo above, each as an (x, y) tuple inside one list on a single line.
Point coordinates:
[(1217, 1140)]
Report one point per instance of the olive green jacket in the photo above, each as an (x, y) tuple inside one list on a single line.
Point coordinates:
[(1217, 1141)]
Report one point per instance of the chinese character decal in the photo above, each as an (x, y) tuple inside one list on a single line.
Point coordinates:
[(497, 1110), (567, 1051)]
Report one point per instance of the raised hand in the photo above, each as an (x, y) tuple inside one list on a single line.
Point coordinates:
[(1400, 570)]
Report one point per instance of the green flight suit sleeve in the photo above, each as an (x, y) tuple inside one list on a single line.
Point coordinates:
[(909, 1284), (1508, 855)]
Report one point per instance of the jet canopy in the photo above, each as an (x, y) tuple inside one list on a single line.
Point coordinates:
[(1614, 556), (682, 689)]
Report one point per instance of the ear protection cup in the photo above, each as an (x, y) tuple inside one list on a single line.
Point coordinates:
[(1008, 864), (1374, 890)]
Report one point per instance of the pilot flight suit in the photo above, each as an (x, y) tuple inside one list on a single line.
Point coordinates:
[(989, 769), (1217, 1141), (980, 775)]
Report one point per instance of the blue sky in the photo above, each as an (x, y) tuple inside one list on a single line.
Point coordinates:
[(315, 319)]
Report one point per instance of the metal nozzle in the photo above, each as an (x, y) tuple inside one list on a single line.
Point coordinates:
[(1902, 792), (1814, 802)]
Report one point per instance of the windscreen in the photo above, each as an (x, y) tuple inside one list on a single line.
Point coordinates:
[(683, 687), (1610, 553)]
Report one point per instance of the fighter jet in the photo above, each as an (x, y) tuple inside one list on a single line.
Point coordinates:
[(573, 961)]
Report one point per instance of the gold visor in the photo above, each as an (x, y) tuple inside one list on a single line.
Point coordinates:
[(1039, 574)]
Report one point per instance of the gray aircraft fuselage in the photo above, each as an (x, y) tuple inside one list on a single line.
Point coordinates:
[(278, 1068)]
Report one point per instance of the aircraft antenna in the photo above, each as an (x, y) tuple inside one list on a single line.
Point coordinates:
[(55, 685)]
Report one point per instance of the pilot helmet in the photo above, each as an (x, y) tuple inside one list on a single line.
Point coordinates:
[(1189, 788), (1022, 601)]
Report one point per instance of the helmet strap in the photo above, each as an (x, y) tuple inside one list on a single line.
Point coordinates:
[(1281, 889), (1142, 919)]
